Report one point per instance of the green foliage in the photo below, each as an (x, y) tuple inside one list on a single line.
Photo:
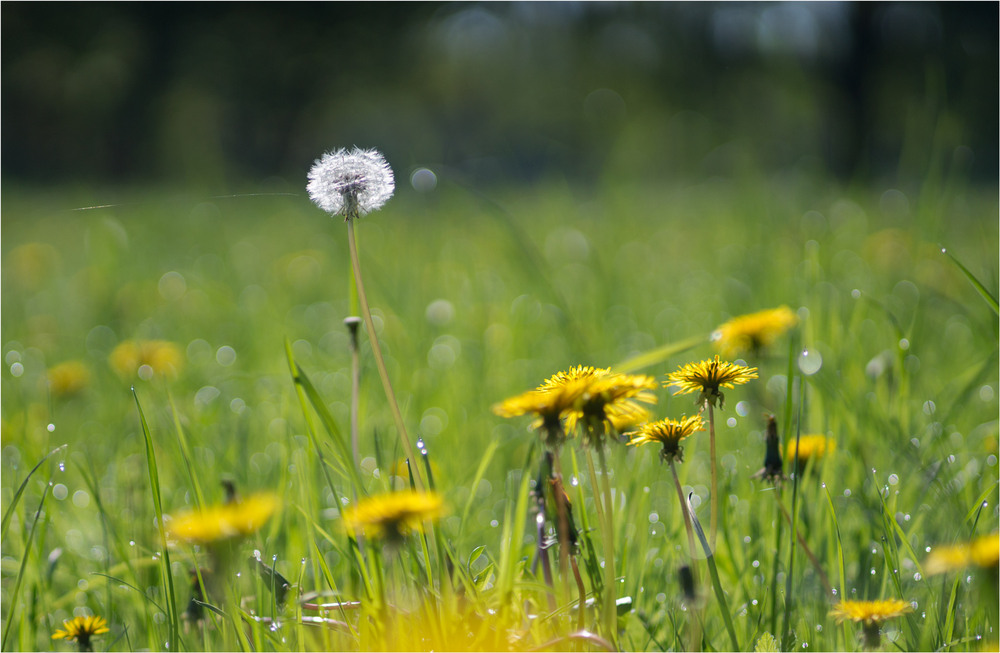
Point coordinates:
[(473, 304)]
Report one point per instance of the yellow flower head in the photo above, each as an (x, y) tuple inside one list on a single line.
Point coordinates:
[(221, 522), (984, 551), (811, 448), (754, 332), (707, 377), (393, 515), (669, 433), (69, 378), (870, 614), (583, 394), (146, 358), (81, 629)]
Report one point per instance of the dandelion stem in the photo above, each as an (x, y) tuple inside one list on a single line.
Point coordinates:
[(610, 609), (377, 351), (352, 328), (687, 518), (563, 521), (713, 524)]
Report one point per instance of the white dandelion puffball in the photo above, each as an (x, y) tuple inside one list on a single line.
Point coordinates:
[(340, 179)]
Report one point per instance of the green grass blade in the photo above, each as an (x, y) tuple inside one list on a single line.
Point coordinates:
[(658, 355), (480, 472), (15, 592), (987, 296), (154, 484), (308, 392), (714, 573), (186, 455), (513, 533), (20, 490)]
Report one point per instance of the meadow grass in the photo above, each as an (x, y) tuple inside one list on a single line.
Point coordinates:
[(477, 299)]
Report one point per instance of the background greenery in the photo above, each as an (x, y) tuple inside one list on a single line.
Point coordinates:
[(608, 179)]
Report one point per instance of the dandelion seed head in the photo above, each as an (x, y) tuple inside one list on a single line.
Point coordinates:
[(351, 182)]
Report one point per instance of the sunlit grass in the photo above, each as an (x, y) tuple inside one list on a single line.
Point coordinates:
[(893, 359)]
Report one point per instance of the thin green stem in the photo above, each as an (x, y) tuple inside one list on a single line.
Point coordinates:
[(379, 362), (716, 583), (714, 523), (610, 592), (687, 518)]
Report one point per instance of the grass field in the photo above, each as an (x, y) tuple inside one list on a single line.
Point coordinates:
[(477, 299)]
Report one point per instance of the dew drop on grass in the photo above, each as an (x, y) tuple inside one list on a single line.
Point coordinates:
[(274, 558), (951, 458), (131, 542), (756, 563), (574, 481), (927, 549), (834, 591), (847, 492), (754, 602), (51, 427), (62, 466), (746, 540), (893, 479), (731, 422), (16, 370), (917, 576), (873, 571), (810, 362)]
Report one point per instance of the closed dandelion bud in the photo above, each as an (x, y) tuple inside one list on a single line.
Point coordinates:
[(772, 470), (686, 578)]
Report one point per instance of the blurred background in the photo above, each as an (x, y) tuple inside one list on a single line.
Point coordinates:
[(238, 96)]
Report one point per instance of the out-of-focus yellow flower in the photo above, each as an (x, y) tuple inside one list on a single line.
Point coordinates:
[(68, 378), (81, 629), (870, 614), (228, 520), (811, 448), (32, 264), (707, 377), (669, 433), (393, 515), (754, 332), (984, 551), (146, 358)]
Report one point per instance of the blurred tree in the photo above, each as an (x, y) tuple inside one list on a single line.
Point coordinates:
[(219, 95)]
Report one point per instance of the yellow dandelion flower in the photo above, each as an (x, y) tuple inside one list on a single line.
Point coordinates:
[(547, 405), (669, 433), (583, 394), (81, 629), (870, 614), (754, 332), (707, 377), (984, 551), (68, 378), (811, 448), (146, 358), (393, 515), (224, 521)]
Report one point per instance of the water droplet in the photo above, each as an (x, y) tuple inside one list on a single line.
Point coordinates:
[(131, 542), (274, 558), (873, 571), (62, 466), (927, 549), (754, 602), (746, 540), (944, 250), (847, 492), (917, 576), (574, 481), (755, 563), (653, 518), (893, 479), (951, 458), (51, 427), (731, 422), (810, 362), (834, 590), (823, 485), (855, 293), (303, 562)]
